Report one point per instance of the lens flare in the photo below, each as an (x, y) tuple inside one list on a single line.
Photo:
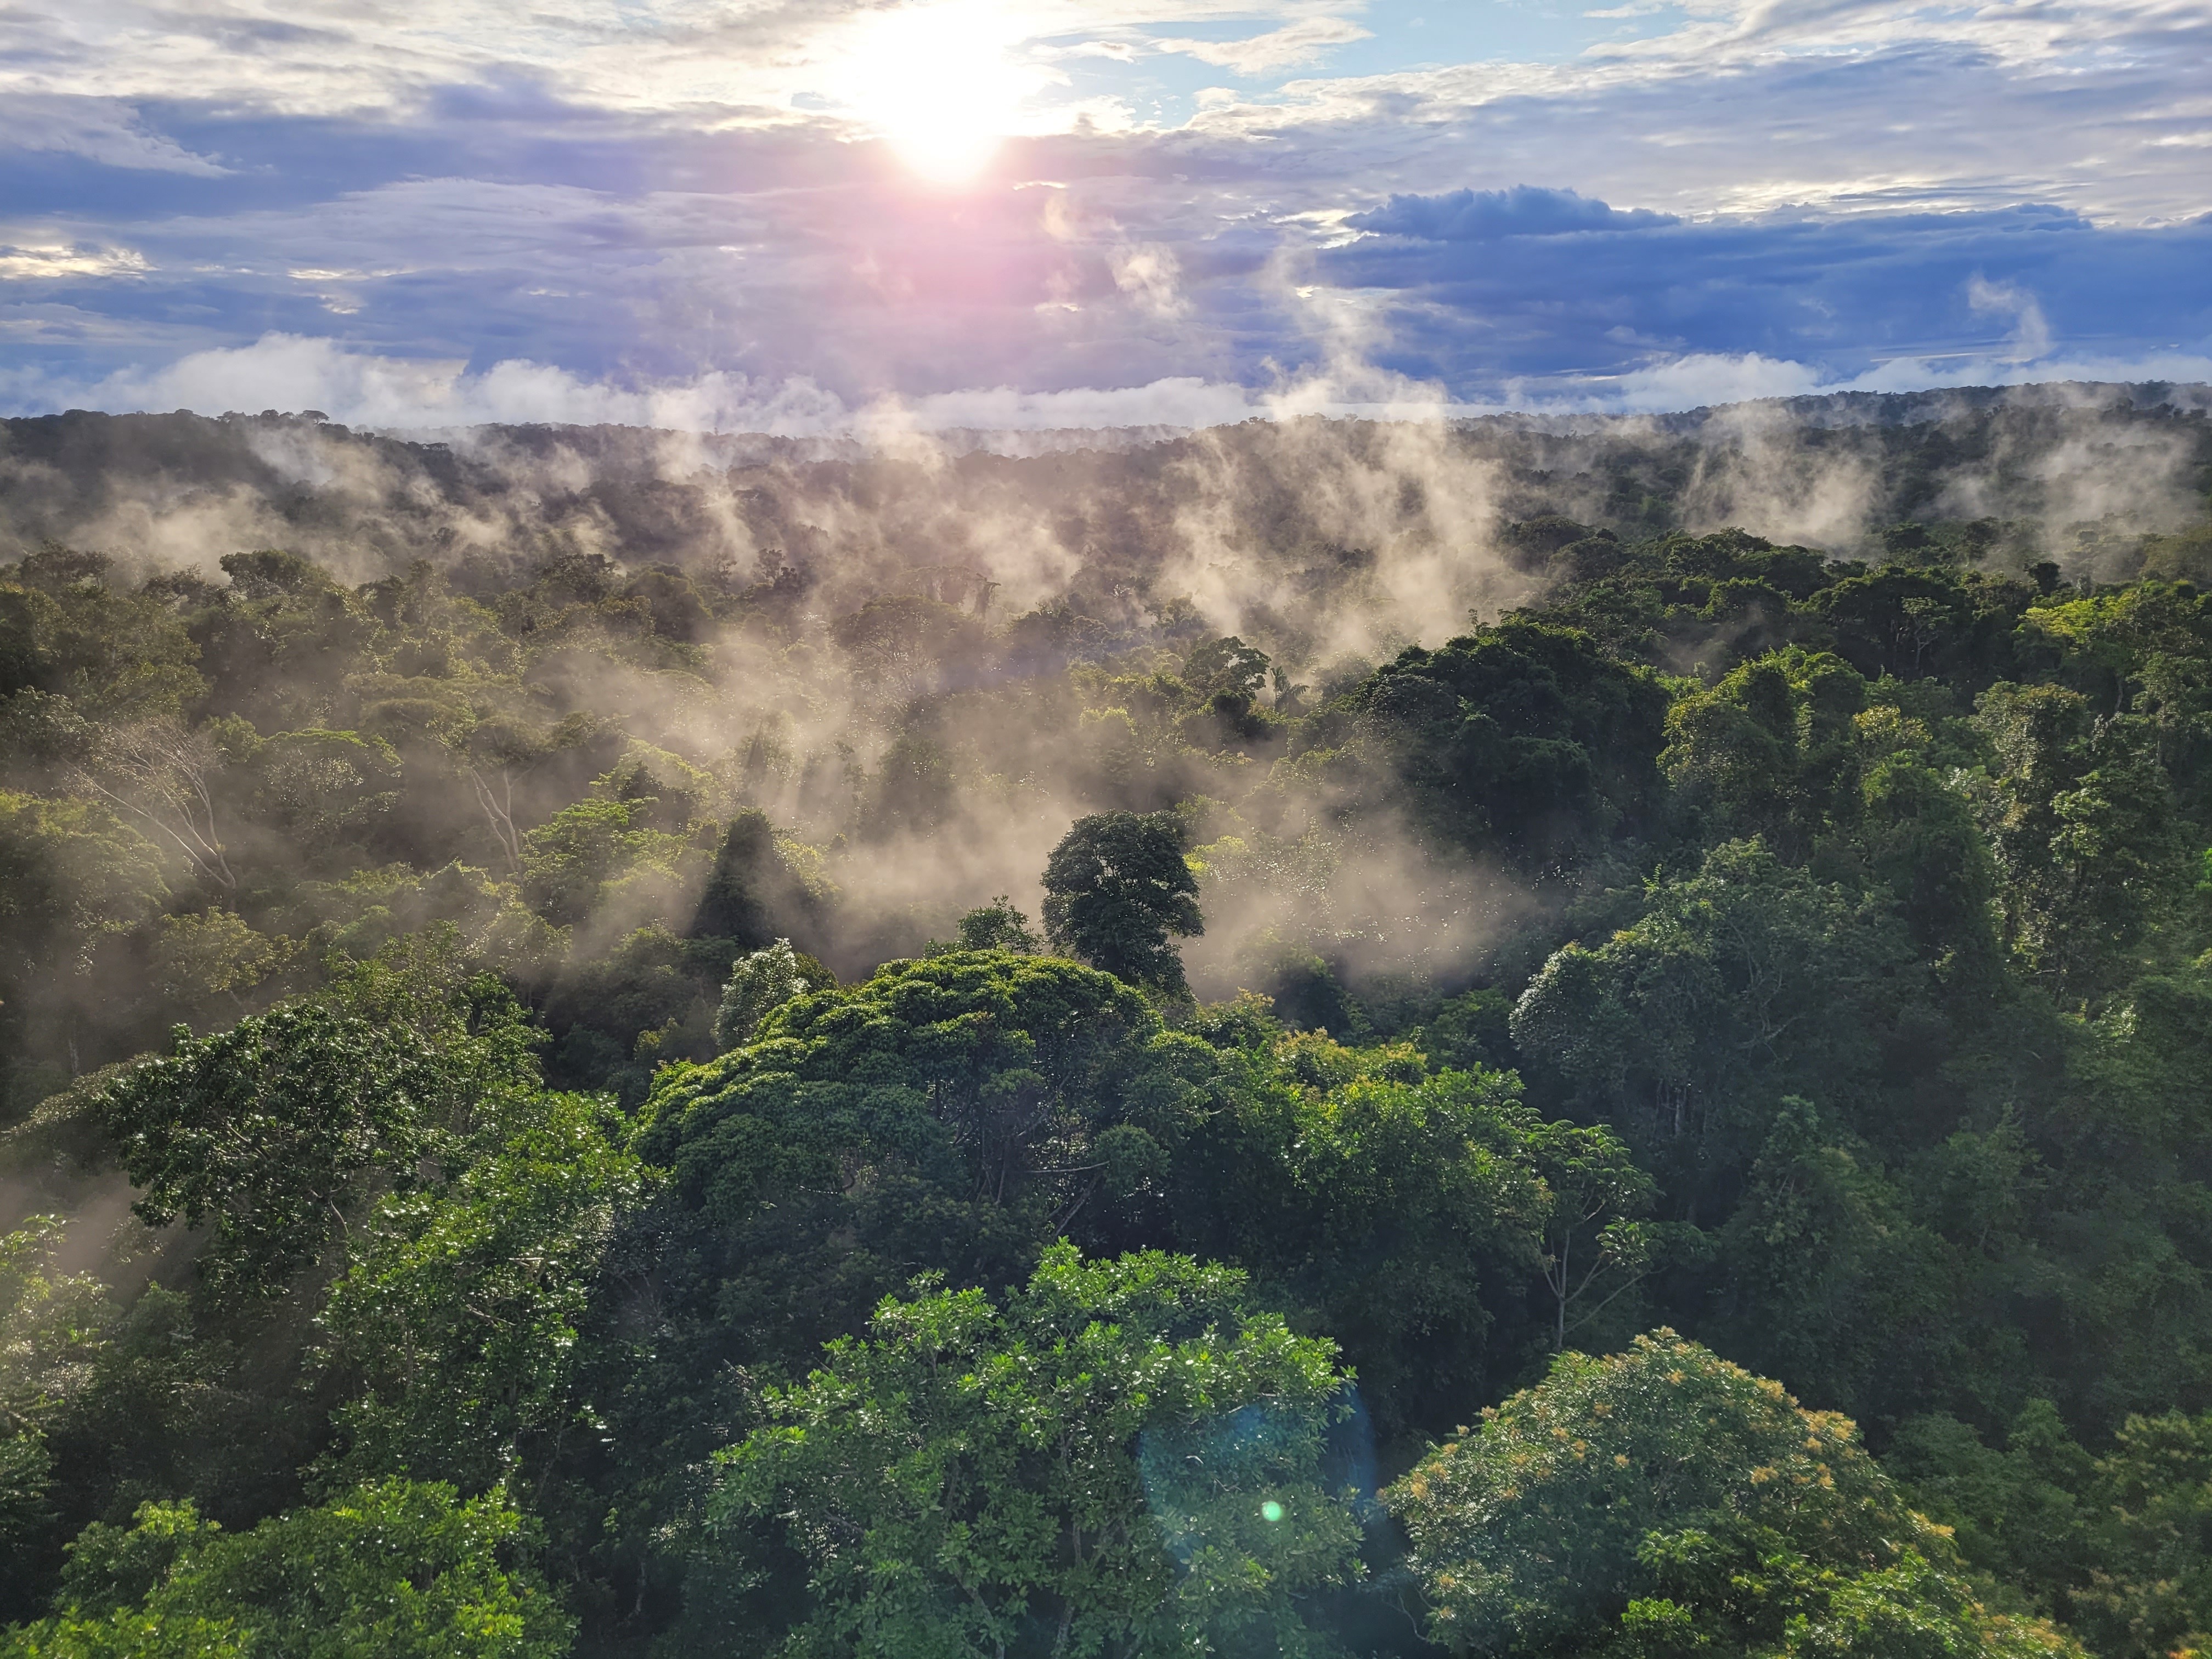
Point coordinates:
[(939, 83)]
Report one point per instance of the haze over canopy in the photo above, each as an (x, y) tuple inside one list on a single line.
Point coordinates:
[(1090, 212)]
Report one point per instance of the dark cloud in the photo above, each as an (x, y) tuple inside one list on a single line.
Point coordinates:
[(1843, 293)]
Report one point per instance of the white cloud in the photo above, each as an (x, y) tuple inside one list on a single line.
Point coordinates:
[(1149, 275), (290, 371), (360, 388), (19, 264), (1687, 382), (1705, 380), (1290, 48), (2031, 338)]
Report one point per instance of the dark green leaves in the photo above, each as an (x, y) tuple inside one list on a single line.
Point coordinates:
[(275, 1133), (1117, 888)]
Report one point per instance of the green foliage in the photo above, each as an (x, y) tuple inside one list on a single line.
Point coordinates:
[(1744, 981), (275, 1133), (1808, 949), (998, 925), (206, 955), (1115, 889), (759, 984), (457, 1320), (1525, 740), (1771, 750), (393, 1568), (753, 893), (70, 871), (2082, 822), (951, 1112), (570, 863), (1412, 1216), (2120, 1546), (1662, 1501), (1125, 1457), (53, 1326)]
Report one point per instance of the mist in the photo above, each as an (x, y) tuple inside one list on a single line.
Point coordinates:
[(920, 659)]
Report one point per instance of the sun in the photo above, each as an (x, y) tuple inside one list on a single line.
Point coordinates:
[(938, 82)]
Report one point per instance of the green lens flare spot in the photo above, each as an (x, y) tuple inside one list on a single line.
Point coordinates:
[(1271, 1511)]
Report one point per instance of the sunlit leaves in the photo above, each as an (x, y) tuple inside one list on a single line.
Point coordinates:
[(1123, 1457)]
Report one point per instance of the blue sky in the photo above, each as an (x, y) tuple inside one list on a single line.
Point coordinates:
[(799, 216)]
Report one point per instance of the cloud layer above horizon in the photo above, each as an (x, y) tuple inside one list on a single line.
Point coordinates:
[(794, 216)]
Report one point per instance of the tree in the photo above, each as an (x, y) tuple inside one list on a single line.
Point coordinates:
[(1125, 1458), (397, 1568), (752, 893), (1407, 1215), (167, 777), (998, 925), (1116, 888), (457, 1322), (53, 1326), (71, 874), (202, 957), (759, 984), (1746, 981), (955, 1112), (1772, 750), (2120, 1547), (2150, 1590), (1662, 1502), (2080, 820), (324, 790), (1525, 739), (278, 1131), (1819, 1271), (1592, 1247)]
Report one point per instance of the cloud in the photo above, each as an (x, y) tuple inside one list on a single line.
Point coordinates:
[(2023, 286), (291, 372), (101, 129), (2030, 336), (1149, 275), (364, 389), (36, 262), (1475, 216), (653, 204), (1293, 46)]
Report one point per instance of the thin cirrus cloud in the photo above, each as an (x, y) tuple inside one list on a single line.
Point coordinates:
[(688, 212)]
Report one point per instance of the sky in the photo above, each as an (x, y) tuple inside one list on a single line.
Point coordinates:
[(818, 216)]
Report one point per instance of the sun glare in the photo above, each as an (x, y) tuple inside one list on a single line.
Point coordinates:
[(938, 82)]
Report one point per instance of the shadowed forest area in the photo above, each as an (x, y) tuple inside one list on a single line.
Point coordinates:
[(1536, 1038)]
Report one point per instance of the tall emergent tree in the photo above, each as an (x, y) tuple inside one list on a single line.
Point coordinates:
[(1116, 888)]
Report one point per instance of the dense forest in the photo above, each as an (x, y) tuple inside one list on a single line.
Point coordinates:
[(1530, 1038)]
